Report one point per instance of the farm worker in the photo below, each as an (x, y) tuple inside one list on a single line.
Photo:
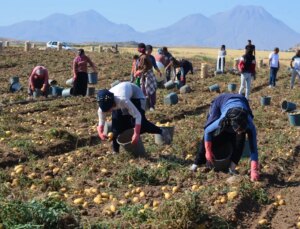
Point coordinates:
[(145, 72), (160, 58), (250, 46), (183, 67), (247, 68), (133, 79), (274, 67), (295, 65), (39, 80), (127, 103), (168, 65), (80, 73), (221, 57), (229, 120), (152, 98)]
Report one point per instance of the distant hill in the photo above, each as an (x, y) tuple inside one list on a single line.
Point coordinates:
[(85, 26), (232, 28)]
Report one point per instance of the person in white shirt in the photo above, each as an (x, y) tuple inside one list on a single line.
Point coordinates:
[(221, 59), (295, 65), (274, 67), (127, 103)]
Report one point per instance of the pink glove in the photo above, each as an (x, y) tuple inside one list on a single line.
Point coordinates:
[(102, 136), (136, 134), (254, 171), (208, 152)]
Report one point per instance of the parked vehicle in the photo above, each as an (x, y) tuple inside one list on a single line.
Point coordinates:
[(53, 44)]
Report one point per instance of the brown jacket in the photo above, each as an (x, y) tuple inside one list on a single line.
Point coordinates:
[(144, 64)]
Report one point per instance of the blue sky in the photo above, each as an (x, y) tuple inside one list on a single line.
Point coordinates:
[(142, 15)]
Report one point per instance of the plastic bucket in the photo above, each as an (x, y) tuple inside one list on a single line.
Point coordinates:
[(170, 84), (214, 87), (294, 118), (124, 139), (37, 93), (70, 82), (265, 100), (171, 99), (185, 89), (222, 153), (288, 106), (52, 82), (14, 79), (90, 91), (57, 91), (15, 87), (67, 92), (115, 83), (231, 87), (158, 138), (92, 78), (107, 128)]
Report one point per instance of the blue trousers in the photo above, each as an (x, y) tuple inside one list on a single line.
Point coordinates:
[(273, 74)]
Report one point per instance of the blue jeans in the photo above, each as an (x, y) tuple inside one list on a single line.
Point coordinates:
[(273, 74)]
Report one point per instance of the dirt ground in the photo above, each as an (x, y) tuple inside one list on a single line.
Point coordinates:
[(60, 157)]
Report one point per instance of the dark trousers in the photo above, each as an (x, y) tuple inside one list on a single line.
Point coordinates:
[(219, 63), (122, 122), (168, 74), (38, 83), (273, 74), (237, 142), (80, 84), (181, 82)]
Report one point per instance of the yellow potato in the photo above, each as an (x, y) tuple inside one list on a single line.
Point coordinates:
[(167, 195), (78, 201), (262, 222), (232, 195), (110, 136)]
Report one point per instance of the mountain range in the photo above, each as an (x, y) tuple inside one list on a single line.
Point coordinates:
[(232, 28)]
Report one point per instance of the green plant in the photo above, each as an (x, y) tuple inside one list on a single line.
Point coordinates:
[(25, 145), (48, 213), (138, 176), (258, 194)]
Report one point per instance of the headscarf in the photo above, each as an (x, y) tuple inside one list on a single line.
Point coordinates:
[(141, 48), (160, 51), (105, 100)]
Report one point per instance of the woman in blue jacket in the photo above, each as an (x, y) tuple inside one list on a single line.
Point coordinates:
[(230, 119)]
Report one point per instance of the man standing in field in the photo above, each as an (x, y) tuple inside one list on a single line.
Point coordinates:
[(295, 65), (250, 46), (274, 67)]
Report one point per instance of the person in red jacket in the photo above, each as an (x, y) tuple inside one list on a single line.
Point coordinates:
[(247, 68), (38, 80)]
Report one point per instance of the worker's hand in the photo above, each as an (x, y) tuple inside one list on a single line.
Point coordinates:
[(43, 88), (32, 87), (136, 134), (181, 78), (137, 73), (102, 136), (75, 77)]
